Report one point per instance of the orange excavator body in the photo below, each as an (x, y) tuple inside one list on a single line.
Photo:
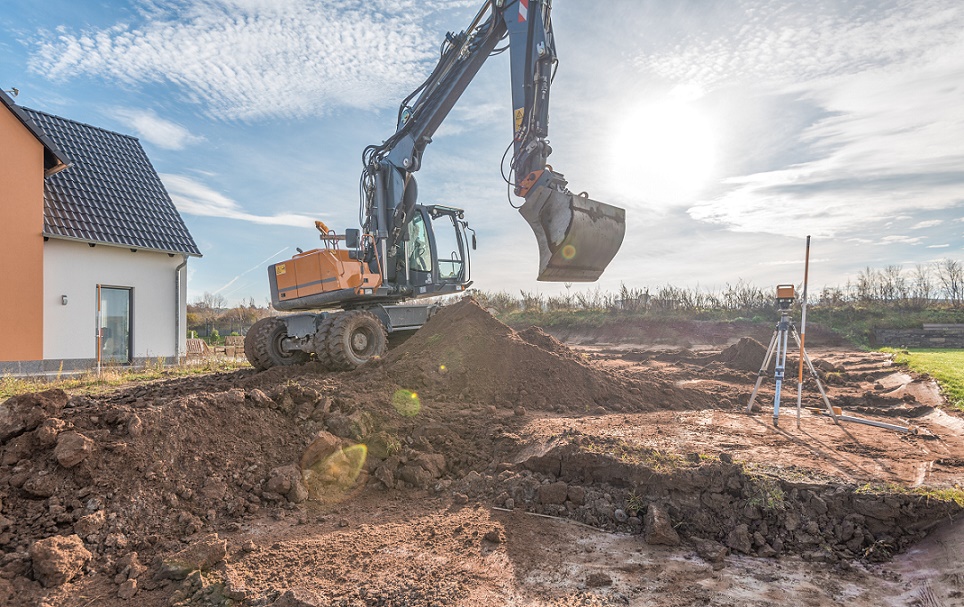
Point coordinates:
[(321, 271)]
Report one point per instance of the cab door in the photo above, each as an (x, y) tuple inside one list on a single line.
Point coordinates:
[(419, 252)]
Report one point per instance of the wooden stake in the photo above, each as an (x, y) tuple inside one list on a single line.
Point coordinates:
[(803, 329)]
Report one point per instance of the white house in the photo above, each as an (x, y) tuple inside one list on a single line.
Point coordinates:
[(93, 253)]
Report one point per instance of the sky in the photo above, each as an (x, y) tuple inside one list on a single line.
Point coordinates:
[(728, 130)]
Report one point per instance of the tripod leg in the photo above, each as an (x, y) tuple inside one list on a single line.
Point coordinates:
[(778, 374), (816, 377), (763, 370)]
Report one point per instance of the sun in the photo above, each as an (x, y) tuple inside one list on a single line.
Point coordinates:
[(665, 151)]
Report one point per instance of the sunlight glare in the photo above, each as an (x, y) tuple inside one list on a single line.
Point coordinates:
[(666, 151)]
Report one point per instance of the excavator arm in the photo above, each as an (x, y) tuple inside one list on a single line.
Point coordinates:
[(398, 255), (577, 237)]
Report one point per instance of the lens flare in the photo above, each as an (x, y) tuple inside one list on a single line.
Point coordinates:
[(406, 403), (568, 251), (441, 368), (331, 476)]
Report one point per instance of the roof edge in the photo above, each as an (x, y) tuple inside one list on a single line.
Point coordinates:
[(52, 155), (119, 246)]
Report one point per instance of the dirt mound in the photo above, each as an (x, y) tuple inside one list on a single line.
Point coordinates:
[(537, 337), (128, 473), (464, 353), (745, 355)]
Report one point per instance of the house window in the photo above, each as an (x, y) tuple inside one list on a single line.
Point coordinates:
[(114, 324)]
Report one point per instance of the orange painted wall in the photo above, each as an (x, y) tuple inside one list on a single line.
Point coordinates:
[(21, 241)]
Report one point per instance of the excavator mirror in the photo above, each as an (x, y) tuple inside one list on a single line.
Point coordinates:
[(352, 235), (475, 242)]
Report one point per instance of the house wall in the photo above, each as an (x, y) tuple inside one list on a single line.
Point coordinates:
[(21, 241), (75, 269)]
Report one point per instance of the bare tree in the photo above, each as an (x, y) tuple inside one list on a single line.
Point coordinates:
[(950, 273), (893, 284), (866, 287), (923, 286), (208, 307)]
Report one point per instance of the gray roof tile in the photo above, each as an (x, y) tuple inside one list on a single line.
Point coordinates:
[(110, 193)]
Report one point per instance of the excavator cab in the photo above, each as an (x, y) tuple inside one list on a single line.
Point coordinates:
[(435, 254)]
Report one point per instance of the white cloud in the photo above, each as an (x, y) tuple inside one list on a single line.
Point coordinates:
[(887, 83), (249, 59), (899, 239), (784, 43), (930, 223), (195, 198), (151, 127), (938, 246)]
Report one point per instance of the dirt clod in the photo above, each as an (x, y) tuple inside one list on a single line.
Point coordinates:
[(58, 559), (658, 528), (72, 448), (201, 555), (24, 413)]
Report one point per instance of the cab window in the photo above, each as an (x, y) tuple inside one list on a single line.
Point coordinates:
[(419, 254)]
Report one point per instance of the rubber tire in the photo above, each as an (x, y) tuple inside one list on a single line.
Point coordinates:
[(262, 346), (320, 341), (344, 344)]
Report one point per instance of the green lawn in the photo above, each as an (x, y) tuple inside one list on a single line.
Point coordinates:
[(112, 378), (946, 366)]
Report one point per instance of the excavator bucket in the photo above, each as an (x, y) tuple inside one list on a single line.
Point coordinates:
[(577, 236)]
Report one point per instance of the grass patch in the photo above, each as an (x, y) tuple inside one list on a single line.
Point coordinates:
[(656, 459), (111, 378), (949, 494), (946, 366), (766, 493)]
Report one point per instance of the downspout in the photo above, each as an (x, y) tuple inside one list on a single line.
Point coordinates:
[(177, 310), (100, 329)]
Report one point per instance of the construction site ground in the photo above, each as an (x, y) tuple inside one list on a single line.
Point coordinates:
[(475, 465)]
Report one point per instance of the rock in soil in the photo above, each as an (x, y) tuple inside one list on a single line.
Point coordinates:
[(658, 528), (58, 559), (72, 448), (199, 556)]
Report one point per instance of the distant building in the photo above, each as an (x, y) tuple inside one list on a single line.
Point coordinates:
[(93, 253)]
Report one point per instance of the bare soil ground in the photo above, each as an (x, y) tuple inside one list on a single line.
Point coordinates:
[(475, 466)]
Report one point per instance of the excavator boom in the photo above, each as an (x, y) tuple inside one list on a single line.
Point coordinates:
[(577, 236)]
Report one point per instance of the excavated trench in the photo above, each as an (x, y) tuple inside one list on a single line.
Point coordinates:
[(152, 469)]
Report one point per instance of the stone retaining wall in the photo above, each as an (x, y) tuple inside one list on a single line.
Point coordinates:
[(929, 336)]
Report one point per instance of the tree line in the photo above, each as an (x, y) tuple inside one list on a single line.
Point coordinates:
[(937, 285), (210, 318)]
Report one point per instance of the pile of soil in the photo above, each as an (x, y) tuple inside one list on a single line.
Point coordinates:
[(464, 353), (745, 355)]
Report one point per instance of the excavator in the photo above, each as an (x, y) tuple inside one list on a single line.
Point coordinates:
[(349, 292)]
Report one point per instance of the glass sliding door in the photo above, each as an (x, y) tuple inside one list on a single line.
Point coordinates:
[(114, 324)]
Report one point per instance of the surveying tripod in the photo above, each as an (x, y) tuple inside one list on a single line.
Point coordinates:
[(778, 348)]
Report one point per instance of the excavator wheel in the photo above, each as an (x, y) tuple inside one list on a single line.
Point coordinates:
[(355, 337), (262, 346), (320, 341)]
